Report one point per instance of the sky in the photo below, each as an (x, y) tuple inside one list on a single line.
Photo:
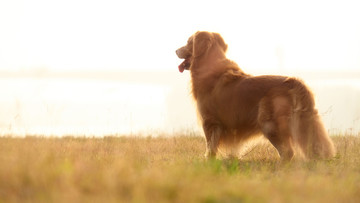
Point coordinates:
[(115, 67), (83, 35)]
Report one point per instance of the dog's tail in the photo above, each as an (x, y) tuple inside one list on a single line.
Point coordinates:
[(307, 129)]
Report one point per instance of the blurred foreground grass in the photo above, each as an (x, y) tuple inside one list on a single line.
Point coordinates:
[(168, 169)]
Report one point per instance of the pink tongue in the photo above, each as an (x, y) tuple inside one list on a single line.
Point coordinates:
[(181, 68)]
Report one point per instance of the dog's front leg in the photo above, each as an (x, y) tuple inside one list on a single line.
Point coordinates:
[(212, 135)]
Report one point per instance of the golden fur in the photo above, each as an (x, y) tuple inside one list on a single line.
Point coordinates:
[(234, 106)]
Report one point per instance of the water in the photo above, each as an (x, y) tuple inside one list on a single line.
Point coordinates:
[(338, 101), (78, 106)]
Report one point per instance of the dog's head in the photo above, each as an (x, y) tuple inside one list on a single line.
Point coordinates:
[(198, 45)]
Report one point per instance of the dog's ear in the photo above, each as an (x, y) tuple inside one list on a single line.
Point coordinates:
[(202, 43), (220, 41)]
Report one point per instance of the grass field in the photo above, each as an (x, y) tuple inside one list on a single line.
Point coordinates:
[(168, 169)]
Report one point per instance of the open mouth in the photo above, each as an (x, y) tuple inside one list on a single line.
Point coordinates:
[(185, 65)]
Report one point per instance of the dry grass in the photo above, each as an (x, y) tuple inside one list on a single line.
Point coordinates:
[(168, 169)]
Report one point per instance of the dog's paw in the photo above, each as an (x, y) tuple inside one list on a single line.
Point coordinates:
[(210, 155)]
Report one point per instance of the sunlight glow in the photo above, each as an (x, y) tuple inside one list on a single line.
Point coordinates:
[(83, 35), (49, 48)]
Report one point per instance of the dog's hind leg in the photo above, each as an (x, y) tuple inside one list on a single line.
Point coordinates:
[(274, 121), (279, 136), (212, 135)]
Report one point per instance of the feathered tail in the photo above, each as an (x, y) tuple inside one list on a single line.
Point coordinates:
[(307, 128)]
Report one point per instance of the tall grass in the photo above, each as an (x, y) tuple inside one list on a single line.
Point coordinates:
[(168, 169)]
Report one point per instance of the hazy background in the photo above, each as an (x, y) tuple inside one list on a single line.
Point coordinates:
[(104, 67)]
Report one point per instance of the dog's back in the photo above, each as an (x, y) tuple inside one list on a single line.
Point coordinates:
[(235, 102)]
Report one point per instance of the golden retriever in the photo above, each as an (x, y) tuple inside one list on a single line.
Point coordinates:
[(235, 106)]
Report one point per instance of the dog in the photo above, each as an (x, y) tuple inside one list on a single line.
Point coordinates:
[(234, 106)]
